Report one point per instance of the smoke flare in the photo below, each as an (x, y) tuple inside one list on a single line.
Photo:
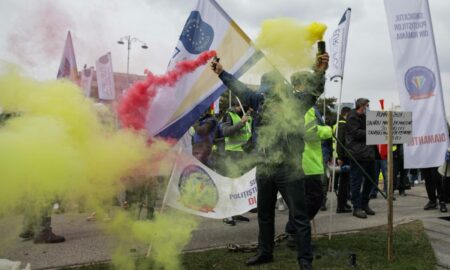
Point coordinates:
[(134, 107)]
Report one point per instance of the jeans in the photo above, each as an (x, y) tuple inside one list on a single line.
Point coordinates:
[(361, 198), (292, 188), (380, 166)]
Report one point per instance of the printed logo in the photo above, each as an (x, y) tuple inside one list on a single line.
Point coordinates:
[(420, 82), (197, 35), (197, 189)]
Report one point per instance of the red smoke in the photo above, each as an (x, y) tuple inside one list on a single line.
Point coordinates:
[(134, 107)]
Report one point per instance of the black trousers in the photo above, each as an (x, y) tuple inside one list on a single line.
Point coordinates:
[(433, 184), (343, 190), (292, 188), (314, 197)]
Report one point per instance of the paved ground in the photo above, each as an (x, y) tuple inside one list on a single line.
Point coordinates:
[(87, 243)]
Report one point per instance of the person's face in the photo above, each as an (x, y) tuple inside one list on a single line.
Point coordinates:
[(365, 107)]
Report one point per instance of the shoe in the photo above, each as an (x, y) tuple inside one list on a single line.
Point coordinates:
[(46, 236), (359, 213), (430, 205), (373, 196), (305, 265), (402, 193), (240, 218), (348, 206), (229, 221), (368, 211), (343, 210), (26, 235), (254, 210), (259, 259), (443, 207)]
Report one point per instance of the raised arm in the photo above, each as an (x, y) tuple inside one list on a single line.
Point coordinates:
[(244, 93)]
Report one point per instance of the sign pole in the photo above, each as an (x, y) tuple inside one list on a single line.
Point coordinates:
[(390, 237)]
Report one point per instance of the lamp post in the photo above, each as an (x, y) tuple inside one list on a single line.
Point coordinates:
[(129, 39)]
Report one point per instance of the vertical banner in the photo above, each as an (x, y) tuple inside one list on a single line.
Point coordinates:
[(105, 78), (418, 80), (68, 66), (338, 46), (86, 81)]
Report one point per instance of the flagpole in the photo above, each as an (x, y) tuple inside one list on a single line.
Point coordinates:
[(163, 204), (333, 175)]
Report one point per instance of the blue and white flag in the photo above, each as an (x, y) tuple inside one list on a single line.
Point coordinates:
[(418, 81), (208, 27), (338, 46)]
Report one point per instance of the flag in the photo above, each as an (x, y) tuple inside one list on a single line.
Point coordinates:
[(208, 27), (68, 66), (338, 46), (418, 81), (198, 190), (215, 106), (86, 80), (105, 78)]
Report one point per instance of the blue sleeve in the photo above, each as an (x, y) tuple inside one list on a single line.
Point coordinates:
[(245, 94)]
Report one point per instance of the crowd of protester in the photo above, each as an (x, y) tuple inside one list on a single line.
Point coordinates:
[(306, 153)]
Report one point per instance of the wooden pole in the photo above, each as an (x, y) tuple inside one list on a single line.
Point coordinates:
[(390, 237)]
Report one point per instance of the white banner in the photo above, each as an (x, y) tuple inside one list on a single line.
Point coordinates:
[(105, 78), (338, 46), (86, 81), (198, 190), (418, 80)]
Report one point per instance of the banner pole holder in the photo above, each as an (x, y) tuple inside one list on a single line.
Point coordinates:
[(333, 173), (390, 215)]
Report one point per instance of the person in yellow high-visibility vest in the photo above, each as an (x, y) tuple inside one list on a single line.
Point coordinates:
[(236, 127), (312, 158), (237, 130)]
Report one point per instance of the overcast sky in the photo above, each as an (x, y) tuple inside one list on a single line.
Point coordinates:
[(33, 33)]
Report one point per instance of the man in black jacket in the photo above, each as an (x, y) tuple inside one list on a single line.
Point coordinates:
[(277, 134), (365, 155), (344, 164)]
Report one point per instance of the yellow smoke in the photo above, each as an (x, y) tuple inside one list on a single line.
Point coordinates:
[(56, 146), (288, 44)]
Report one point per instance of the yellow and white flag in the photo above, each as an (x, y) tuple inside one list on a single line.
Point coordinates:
[(208, 27)]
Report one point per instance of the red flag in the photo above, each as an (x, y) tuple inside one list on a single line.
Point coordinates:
[(382, 104)]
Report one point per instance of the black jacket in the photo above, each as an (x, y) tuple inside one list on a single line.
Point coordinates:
[(287, 144), (355, 137), (341, 154)]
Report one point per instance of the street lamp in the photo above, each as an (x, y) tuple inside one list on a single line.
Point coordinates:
[(128, 39)]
